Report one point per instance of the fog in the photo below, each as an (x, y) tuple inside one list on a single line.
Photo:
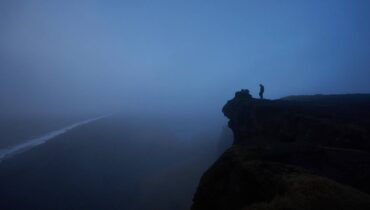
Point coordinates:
[(162, 70), (176, 57)]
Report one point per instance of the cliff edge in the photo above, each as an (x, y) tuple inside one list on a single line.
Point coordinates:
[(299, 152)]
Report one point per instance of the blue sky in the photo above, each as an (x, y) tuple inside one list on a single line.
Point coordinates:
[(177, 55)]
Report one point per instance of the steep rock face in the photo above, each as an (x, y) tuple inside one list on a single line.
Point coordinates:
[(238, 180), (292, 154), (322, 121)]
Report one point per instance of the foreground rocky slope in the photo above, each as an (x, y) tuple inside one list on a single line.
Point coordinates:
[(298, 153)]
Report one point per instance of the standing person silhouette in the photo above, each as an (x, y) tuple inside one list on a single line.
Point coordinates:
[(262, 91)]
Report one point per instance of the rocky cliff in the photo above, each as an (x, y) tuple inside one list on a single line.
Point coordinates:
[(301, 152)]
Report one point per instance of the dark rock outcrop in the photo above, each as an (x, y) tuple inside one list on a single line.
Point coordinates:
[(292, 154), (324, 121), (240, 111), (238, 180)]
